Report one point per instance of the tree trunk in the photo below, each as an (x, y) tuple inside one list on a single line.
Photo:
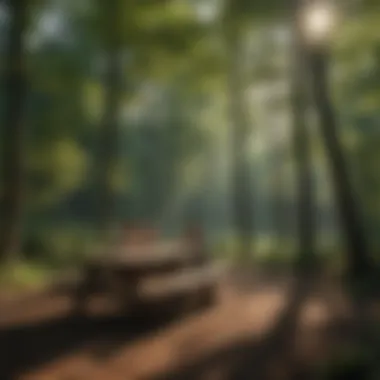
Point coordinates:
[(241, 189), (280, 217), (13, 134), (359, 260), (109, 141), (109, 129), (302, 150)]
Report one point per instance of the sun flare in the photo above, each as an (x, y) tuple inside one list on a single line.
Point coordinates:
[(317, 22)]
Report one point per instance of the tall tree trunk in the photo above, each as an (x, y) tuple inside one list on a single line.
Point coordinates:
[(302, 149), (13, 134), (280, 218), (359, 260), (109, 128), (239, 133)]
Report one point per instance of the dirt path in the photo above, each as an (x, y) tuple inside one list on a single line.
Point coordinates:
[(39, 340)]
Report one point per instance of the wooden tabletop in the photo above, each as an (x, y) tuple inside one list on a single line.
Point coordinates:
[(181, 281), (145, 254)]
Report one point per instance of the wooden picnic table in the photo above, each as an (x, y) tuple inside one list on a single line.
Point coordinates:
[(121, 269), (145, 257)]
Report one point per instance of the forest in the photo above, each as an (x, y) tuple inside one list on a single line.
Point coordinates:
[(256, 120)]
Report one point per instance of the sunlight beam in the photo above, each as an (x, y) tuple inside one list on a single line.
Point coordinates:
[(317, 22)]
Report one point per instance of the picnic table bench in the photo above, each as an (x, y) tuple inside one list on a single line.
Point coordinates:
[(186, 290), (141, 274)]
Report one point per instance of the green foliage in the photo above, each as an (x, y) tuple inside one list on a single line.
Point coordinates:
[(63, 173), (24, 275), (357, 59), (164, 45), (60, 246)]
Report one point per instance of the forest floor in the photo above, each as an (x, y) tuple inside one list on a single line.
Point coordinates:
[(261, 329)]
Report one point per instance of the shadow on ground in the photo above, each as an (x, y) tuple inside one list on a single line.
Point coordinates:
[(269, 357), (29, 346), (254, 358), (276, 355)]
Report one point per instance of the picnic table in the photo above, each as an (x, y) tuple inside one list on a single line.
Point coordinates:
[(145, 256), (125, 269)]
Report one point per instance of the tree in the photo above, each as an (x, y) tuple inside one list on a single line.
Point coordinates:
[(240, 129), (13, 132), (144, 32), (358, 55), (112, 16), (359, 260), (302, 148)]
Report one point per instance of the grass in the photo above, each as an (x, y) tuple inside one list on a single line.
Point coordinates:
[(24, 275)]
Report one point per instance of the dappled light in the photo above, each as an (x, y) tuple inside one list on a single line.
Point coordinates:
[(189, 189), (318, 20)]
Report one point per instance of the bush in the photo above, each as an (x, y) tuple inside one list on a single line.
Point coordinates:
[(58, 247), (24, 275)]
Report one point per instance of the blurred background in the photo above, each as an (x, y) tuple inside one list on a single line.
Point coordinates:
[(155, 111), (256, 120)]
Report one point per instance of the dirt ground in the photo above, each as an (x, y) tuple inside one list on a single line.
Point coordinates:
[(260, 331)]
